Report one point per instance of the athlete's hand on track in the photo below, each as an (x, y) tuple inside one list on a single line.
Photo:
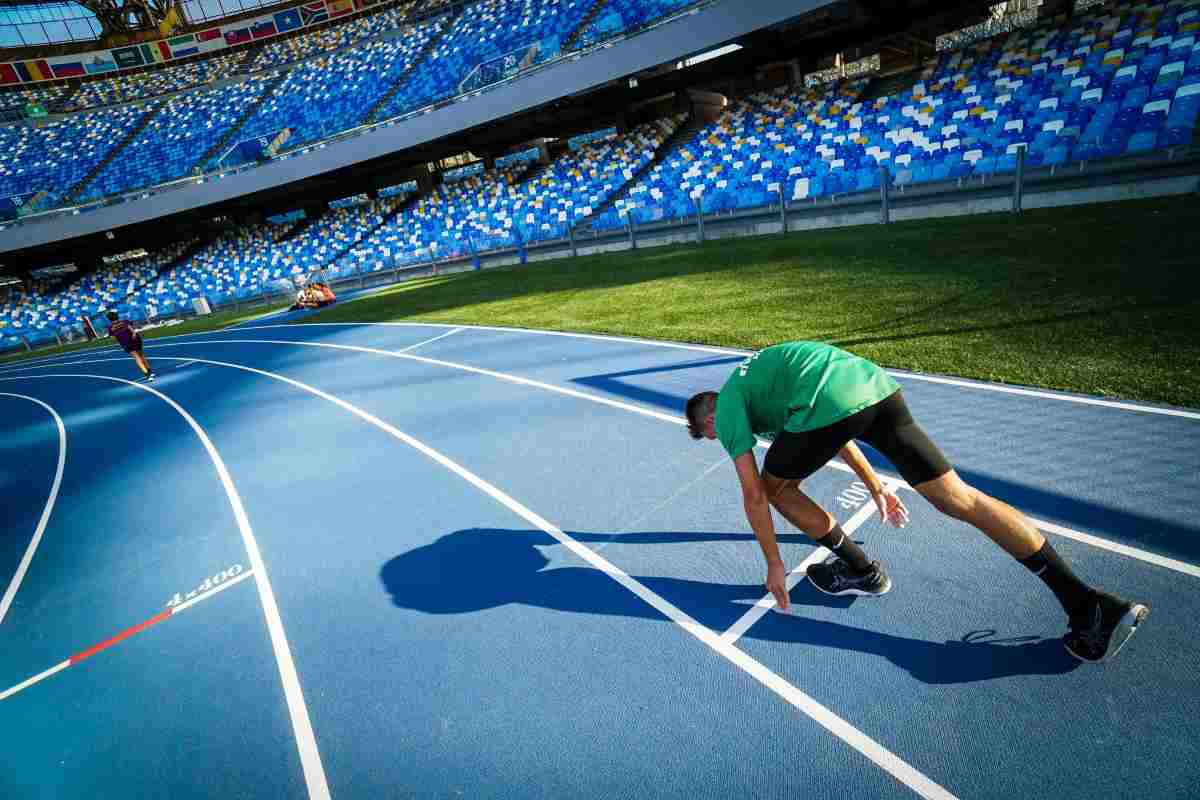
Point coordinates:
[(891, 509), (777, 584)]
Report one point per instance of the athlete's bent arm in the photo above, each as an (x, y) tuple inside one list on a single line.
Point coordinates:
[(891, 509), (758, 512)]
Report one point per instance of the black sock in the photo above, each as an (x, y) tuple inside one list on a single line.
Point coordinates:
[(1074, 595), (845, 549)]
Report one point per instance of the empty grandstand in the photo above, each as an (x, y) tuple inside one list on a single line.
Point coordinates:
[(1103, 83)]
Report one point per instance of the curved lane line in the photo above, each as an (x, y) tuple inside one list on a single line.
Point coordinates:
[(310, 759), (1047, 527), (732, 351), (10, 593)]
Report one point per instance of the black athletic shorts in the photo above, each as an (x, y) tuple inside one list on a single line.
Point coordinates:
[(887, 426)]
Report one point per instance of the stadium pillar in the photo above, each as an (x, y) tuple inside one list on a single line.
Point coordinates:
[(1019, 183), (632, 233), (571, 235), (885, 208), (25, 342), (782, 211), (700, 216)]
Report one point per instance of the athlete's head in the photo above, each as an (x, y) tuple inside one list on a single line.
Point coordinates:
[(701, 411), (113, 316)]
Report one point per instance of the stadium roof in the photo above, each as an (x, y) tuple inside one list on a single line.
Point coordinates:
[(30, 23)]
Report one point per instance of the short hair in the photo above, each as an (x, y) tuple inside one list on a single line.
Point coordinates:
[(112, 315), (698, 408)]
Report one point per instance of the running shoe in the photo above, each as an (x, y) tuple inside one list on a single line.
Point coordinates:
[(1102, 630), (837, 578), (150, 378)]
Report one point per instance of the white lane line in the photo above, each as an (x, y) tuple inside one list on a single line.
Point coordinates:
[(10, 593), (33, 362), (428, 341), (120, 637), (314, 772), (767, 601), (1049, 527), (186, 604), (877, 753), (1066, 398), (41, 676), (729, 351), (732, 351)]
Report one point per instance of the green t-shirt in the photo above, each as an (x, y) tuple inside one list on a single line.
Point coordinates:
[(795, 386)]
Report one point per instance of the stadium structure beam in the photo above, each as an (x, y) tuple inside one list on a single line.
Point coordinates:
[(128, 16)]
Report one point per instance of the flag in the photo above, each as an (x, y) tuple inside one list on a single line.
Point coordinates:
[(208, 35), (264, 28), (127, 57), (184, 52), (339, 8), (98, 64), (237, 36), (71, 69), (30, 71), (313, 13), (151, 54), (288, 20), (8, 75)]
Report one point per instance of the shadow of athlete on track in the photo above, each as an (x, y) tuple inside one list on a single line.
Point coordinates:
[(478, 568)]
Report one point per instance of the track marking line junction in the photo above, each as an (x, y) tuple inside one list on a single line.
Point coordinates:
[(125, 634)]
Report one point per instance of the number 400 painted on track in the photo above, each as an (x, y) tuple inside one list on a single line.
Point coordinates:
[(209, 584)]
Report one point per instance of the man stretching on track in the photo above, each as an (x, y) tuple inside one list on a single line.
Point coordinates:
[(813, 400), (130, 340)]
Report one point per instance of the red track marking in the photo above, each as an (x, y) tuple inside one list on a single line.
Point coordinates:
[(125, 634)]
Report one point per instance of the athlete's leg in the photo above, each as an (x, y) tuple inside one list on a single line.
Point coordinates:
[(791, 459), (999, 521), (798, 508), (1100, 623), (140, 359)]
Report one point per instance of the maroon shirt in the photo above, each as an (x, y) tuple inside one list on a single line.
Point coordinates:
[(122, 330)]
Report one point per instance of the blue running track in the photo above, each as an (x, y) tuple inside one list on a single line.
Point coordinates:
[(421, 561)]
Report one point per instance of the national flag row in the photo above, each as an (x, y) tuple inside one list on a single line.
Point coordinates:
[(210, 40)]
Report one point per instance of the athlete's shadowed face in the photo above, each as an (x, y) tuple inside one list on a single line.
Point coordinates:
[(709, 428)]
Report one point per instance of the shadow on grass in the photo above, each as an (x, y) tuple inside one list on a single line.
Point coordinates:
[(483, 568)]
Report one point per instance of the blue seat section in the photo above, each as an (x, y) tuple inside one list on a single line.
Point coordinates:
[(243, 263), (628, 15), (46, 96), (482, 32), (54, 156), (177, 137), (332, 93), (53, 308), (251, 260), (501, 209), (1116, 82), (277, 52), (123, 88)]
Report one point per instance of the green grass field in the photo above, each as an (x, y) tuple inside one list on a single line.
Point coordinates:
[(1101, 299)]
